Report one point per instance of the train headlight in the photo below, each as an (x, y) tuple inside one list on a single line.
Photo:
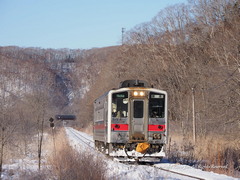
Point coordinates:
[(138, 93), (135, 93), (141, 93)]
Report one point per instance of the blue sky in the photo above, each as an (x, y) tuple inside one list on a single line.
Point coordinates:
[(74, 24)]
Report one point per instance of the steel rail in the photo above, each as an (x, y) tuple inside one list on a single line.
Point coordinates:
[(76, 132), (182, 174), (80, 137)]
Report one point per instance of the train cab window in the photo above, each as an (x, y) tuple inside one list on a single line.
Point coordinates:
[(138, 109), (156, 105), (120, 105)]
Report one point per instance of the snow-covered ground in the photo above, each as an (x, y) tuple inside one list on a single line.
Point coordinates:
[(117, 170), (19, 168)]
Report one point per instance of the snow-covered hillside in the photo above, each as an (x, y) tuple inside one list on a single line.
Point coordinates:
[(116, 170)]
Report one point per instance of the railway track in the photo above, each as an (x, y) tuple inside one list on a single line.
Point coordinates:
[(88, 142), (181, 174)]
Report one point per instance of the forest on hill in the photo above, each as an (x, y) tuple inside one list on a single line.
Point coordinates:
[(188, 50), (184, 48), (193, 52)]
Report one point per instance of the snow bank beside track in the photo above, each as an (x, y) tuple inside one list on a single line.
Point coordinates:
[(117, 170)]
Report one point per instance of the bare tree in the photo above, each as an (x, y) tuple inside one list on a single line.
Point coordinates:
[(7, 126)]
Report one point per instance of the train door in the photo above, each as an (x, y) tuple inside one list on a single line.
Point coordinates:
[(138, 120)]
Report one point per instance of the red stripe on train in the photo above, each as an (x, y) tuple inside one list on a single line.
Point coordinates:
[(158, 127), (119, 127), (124, 127)]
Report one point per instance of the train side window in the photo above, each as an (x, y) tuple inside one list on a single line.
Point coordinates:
[(156, 105), (120, 105)]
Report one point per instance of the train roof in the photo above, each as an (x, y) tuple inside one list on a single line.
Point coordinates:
[(134, 83), (128, 84)]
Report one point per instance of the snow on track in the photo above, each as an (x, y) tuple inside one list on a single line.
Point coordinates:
[(79, 138), (116, 170)]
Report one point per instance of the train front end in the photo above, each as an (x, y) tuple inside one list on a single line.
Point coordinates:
[(137, 121)]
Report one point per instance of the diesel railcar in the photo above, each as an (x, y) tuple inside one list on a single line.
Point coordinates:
[(131, 121)]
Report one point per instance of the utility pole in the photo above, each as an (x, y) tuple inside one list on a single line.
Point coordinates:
[(193, 115), (123, 30)]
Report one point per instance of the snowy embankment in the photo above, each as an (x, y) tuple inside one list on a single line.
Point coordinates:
[(27, 165), (116, 170)]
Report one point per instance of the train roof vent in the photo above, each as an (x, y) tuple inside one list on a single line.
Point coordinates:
[(133, 83)]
